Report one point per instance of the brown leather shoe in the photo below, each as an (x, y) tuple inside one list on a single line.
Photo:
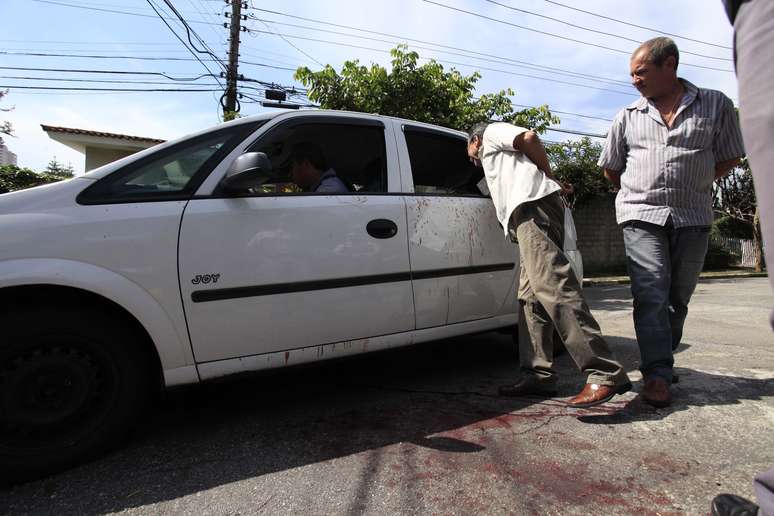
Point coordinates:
[(656, 392), (594, 394), (528, 386)]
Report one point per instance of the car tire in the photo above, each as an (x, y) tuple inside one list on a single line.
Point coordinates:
[(72, 384)]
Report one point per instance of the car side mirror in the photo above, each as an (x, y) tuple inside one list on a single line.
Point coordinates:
[(245, 172)]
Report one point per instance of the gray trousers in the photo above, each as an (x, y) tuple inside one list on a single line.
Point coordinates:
[(664, 265), (550, 297), (754, 40)]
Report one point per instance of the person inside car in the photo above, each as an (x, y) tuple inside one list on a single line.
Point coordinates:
[(310, 171)]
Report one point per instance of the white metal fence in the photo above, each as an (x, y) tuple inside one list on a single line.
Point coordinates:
[(742, 249)]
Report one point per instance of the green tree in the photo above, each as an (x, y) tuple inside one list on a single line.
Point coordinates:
[(16, 178), (425, 93), (734, 198), (55, 168), (575, 162)]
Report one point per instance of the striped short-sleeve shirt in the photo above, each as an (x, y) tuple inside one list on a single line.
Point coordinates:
[(670, 171)]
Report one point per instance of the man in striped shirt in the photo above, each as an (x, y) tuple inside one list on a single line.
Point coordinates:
[(663, 152)]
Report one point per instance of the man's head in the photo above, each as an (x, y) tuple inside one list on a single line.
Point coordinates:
[(307, 164), (653, 67), (475, 141)]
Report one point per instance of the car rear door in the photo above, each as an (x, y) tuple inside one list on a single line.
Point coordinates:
[(278, 269), (463, 267)]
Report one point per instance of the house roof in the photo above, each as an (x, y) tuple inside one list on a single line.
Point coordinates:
[(85, 132)]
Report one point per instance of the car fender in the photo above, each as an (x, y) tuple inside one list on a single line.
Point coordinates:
[(173, 349)]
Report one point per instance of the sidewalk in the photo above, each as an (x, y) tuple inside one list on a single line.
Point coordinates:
[(623, 279)]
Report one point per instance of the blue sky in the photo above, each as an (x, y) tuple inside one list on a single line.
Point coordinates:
[(35, 26)]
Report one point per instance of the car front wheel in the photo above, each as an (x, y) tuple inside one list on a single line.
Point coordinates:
[(72, 382)]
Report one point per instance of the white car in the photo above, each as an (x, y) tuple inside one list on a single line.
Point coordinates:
[(198, 258)]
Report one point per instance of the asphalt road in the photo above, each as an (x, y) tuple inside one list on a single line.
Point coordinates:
[(421, 430)]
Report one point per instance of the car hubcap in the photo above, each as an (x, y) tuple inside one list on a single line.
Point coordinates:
[(51, 394)]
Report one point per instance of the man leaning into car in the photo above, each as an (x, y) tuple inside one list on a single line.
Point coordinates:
[(528, 205)]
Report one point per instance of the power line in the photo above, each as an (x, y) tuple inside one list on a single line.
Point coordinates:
[(119, 72), (207, 15), (137, 58), (46, 41), (272, 85), (579, 133), (460, 64), (145, 90), (626, 38), (289, 43), (486, 57), (557, 35), (658, 31), (189, 31), (291, 89), (568, 113), (181, 39), (105, 81), (108, 81), (89, 8)]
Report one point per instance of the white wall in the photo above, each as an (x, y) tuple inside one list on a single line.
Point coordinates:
[(97, 156)]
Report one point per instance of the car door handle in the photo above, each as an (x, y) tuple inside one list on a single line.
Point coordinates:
[(382, 228)]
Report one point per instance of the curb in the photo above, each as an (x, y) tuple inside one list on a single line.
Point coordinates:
[(624, 280)]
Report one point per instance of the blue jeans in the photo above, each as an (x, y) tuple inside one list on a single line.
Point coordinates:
[(664, 265)]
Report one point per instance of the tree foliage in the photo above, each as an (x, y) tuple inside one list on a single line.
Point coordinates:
[(734, 198), (5, 127), (16, 178), (575, 162), (735, 194), (56, 168), (426, 93)]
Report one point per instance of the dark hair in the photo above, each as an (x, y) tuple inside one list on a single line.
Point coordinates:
[(477, 130), (311, 152), (658, 49)]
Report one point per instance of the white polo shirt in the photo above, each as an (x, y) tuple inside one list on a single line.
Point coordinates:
[(511, 176)]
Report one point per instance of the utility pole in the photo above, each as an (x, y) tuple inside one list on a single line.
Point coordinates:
[(230, 106)]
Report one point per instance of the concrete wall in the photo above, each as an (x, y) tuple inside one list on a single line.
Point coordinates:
[(600, 240), (97, 156)]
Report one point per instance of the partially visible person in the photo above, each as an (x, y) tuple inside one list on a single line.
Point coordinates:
[(753, 22), (528, 205), (663, 152), (310, 171), (754, 50), (732, 505)]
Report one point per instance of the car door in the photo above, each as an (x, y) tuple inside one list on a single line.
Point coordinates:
[(463, 267), (278, 269)]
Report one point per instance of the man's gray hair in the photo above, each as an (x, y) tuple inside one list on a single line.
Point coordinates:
[(658, 49), (477, 130)]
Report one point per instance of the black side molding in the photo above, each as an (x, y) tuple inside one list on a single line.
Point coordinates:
[(203, 296)]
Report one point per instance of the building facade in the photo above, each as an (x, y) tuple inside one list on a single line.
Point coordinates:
[(99, 147), (6, 156)]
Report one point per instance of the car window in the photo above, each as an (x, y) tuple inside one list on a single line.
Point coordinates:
[(171, 173), (354, 153), (440, 164)]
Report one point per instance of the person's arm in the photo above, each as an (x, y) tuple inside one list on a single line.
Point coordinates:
[(614, 176), (613, 157), (724, 167), (530, 145), (727, 145)]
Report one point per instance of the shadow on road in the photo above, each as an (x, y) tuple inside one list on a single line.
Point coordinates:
[(695, 389), (220, 433), (214, 434)]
